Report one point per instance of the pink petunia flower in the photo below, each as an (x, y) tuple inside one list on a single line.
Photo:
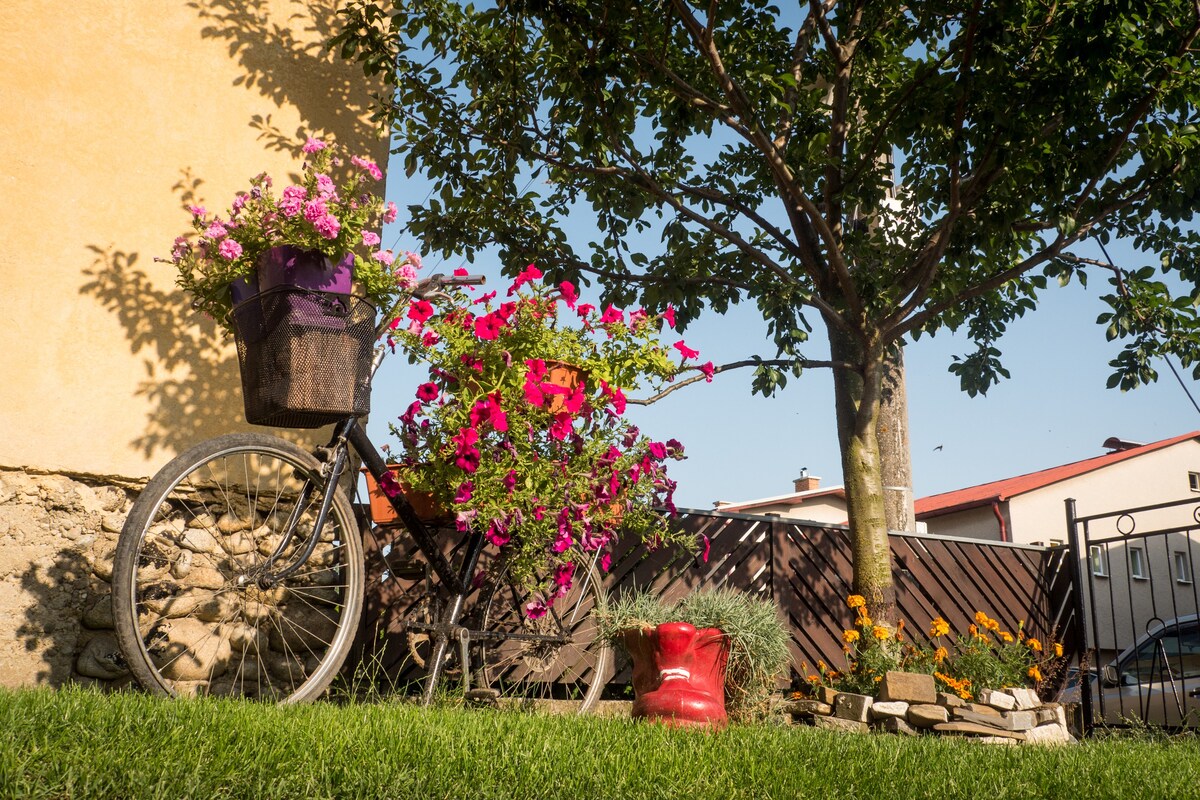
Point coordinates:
[(367, 164), (328, 226), (216, 230), (389, 212), (292, 202), (229, 249), (315, 209), (385, 257), (314, 145), (370, 238), (326, 186)]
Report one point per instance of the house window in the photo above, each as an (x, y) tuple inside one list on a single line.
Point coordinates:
[(1183, 567), (1137, 563), (1099, 559), (1194, 481)]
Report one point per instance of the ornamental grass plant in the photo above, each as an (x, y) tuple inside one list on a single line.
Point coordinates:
[(552, 473), (986, 656), (757, 638)]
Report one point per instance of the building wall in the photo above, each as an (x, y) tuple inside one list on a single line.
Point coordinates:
[(117, 115), (973, 523), (826, 510), (1157, 477)]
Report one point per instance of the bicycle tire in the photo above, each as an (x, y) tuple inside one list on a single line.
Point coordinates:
[(568, 676), (191, 619)]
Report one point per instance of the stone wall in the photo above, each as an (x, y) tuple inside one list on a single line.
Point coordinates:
[(57, 536)]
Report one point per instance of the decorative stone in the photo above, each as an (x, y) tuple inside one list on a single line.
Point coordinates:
[(909, 687), (1027, 699), (950, 700), (1049, 734), (997, 699), (101, 658), (995, 740), (1021, 720), (1052, 712), (972, 729), (808, 708), (885, 709), (198, 540), (99, 615), (927, 715), (840, 724), (995, 721), (897, 725), (981, 708), (856, 707), (826, 695)]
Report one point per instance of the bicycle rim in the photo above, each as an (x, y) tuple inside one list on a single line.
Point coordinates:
[(564, 666), (192, 616)]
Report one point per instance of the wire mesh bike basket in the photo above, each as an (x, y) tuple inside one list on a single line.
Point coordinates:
[(305, 356)]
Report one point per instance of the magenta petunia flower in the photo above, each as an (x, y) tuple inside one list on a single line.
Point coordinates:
[(708, 370), (464, 493), (488, 327), (684, 350), (535, 609), (420, 310), (569, 293), (611, 314), (427, 392), (669, 316)]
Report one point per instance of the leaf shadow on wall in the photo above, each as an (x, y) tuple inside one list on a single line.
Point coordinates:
[(191, 380), (328, 93)]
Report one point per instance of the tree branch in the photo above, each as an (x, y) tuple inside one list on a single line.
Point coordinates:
[(803, 363)]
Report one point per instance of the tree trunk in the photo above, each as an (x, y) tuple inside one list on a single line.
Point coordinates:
[(894, 452), (857, 394)]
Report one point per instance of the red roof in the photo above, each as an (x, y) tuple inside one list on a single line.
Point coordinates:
[(987, 493)]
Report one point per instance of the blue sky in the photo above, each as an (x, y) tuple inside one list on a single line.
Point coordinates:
[(1055, 409)]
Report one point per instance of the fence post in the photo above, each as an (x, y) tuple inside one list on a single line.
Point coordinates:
[(1085, 681)]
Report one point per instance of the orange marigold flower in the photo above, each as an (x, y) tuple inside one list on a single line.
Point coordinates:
[(941, 654), (1058, 651), (863, 621), (1006, 636), (981, 619), (1033, 644), (856, 601), (813, 679), (939, 627), (880, 632), (821, 666), (1035, 673), (992, 625), (973, 630), (850, 637)]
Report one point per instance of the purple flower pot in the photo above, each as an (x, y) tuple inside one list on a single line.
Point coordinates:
[(304, 269)]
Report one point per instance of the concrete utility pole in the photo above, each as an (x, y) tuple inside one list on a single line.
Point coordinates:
[(895, 456)]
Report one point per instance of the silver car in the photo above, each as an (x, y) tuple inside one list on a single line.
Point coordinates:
[(1156, 680)]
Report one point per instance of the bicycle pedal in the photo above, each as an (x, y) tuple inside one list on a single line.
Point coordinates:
[(483, 697)]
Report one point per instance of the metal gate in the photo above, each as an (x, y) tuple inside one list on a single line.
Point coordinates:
[(1136, 595)]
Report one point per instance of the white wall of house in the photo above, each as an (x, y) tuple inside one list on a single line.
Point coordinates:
[(971, 523)]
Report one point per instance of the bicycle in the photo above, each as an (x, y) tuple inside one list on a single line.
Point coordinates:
[(240, 572)]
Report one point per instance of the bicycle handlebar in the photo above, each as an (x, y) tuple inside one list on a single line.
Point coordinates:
[(435, 285)]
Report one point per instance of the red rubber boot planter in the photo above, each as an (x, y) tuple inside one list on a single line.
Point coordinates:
[(679, 674)]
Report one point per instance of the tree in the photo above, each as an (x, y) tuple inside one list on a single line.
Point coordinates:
[(888, 169)]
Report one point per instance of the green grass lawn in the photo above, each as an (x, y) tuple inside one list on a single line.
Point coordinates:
[(78, 744)]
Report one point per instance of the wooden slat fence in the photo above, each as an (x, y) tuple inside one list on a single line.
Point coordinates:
[(806, 570)]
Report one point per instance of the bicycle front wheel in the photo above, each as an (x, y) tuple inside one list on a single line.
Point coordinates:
[(557, 660), (193, 614)]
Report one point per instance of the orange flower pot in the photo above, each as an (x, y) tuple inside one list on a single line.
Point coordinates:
[(382, 512), (565, 375)]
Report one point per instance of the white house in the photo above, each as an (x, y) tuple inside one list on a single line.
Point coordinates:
[(807, 501), (1030, 508)]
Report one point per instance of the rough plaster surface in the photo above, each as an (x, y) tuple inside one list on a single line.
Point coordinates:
[(57, 535)]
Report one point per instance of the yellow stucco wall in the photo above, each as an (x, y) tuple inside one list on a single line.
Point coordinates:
[(115, 115)]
